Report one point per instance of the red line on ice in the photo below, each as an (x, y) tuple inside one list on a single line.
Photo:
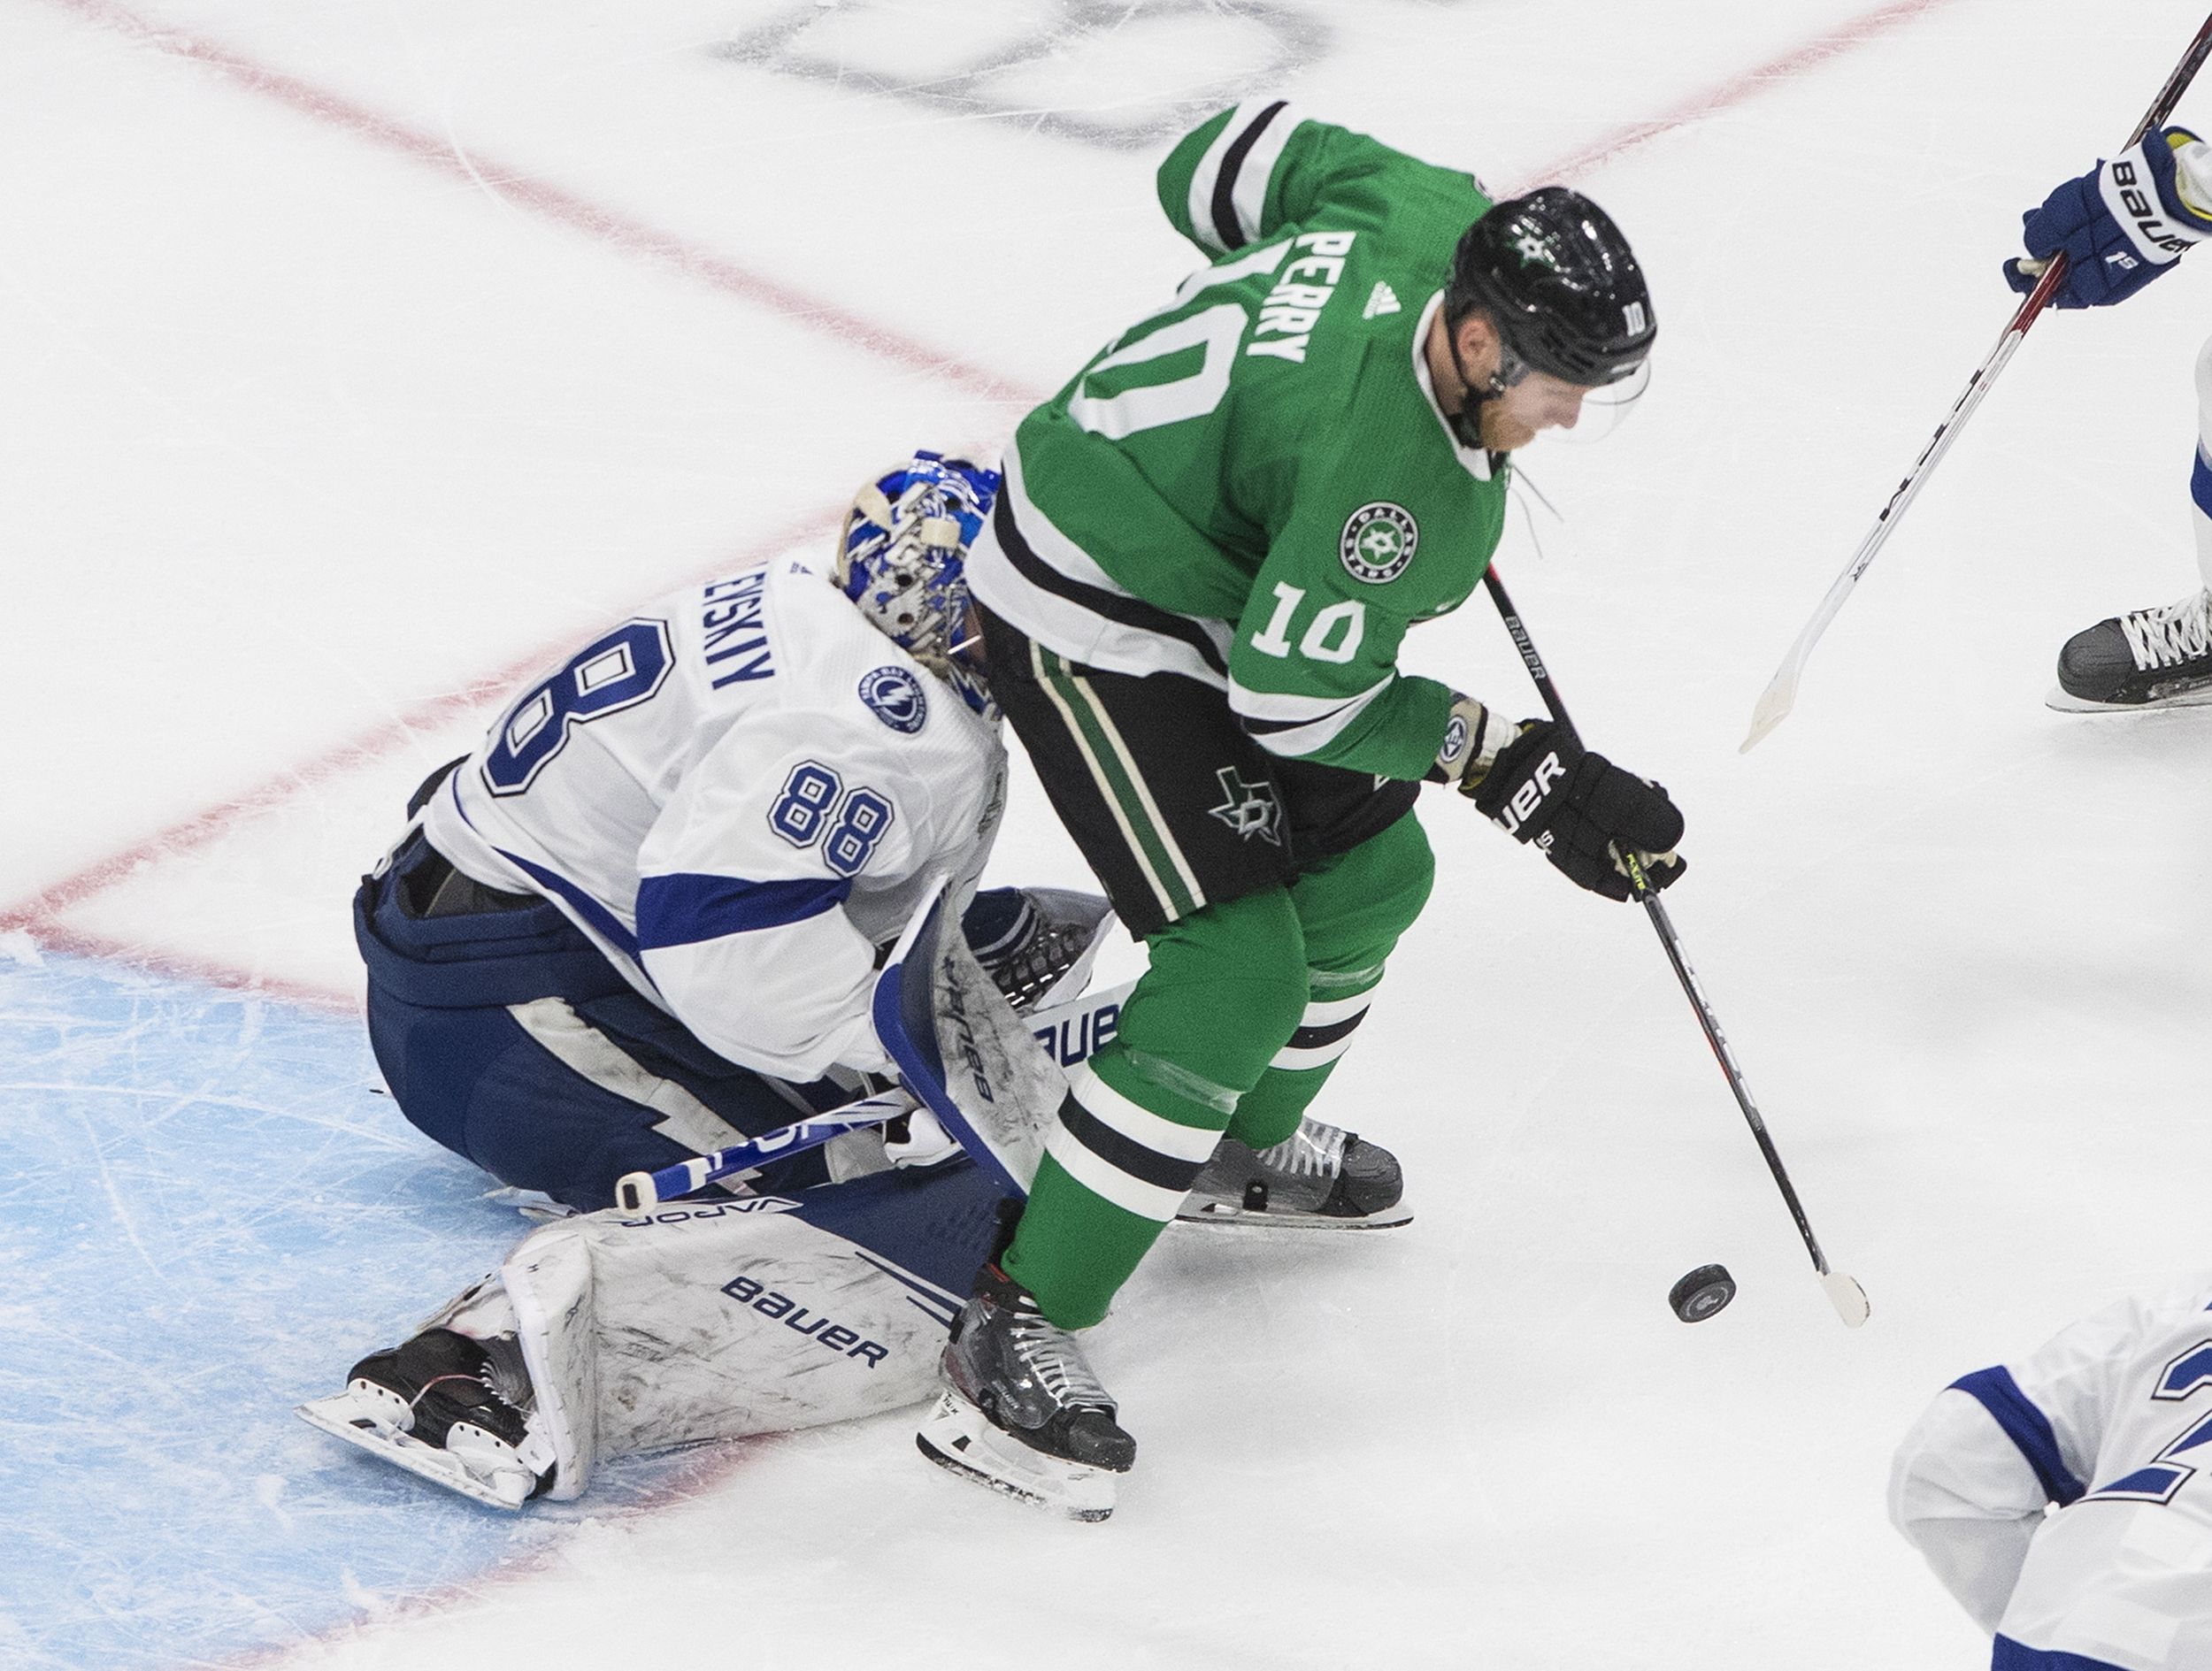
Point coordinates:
[(610, 226), (1830, 44), (39, 913)]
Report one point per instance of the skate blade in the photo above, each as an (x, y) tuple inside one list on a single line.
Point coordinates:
[(1232, 1216), (2065, 702), (962, 1440), (365, 1422)]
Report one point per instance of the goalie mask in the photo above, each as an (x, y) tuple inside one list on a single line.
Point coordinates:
[(903, 561)]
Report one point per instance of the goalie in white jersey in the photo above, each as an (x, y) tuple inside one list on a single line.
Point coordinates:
[(2063, 1498), (640, 922)]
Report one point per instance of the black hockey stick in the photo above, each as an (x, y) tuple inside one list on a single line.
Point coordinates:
[(1844, 1293), (1780, 695)]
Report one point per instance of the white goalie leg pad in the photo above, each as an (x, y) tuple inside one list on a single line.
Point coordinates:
[(960, 1438), (693, 1321), (548, 1283)]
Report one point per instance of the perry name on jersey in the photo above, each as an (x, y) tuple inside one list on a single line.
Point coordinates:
[(1255, 487), (737, 794)]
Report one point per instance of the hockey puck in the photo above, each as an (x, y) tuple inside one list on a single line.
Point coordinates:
[(1702, 1293)]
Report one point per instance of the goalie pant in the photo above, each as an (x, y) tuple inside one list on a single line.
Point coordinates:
[(2062, 1497), (717, 1320), (508, 1037)]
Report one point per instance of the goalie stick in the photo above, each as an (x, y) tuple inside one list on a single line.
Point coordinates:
[(636, 1191), (1079, 1024), (1844, 1292), (1780, 695)]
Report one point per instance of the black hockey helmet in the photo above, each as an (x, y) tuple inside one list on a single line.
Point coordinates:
[(1559, 280)]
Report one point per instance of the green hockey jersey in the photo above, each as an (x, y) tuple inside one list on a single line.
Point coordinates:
[(1254, 486)]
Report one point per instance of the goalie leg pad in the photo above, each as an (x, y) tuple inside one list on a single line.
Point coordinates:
[(714, 1320)]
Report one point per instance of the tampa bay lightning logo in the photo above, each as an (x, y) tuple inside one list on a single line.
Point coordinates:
[(894, 696)]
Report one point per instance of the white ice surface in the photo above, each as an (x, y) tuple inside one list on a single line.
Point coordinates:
[(351, 355)]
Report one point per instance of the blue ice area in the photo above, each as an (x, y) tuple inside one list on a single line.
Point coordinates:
[(207, 1213)]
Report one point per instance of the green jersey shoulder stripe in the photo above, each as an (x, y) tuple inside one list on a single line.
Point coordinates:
[(1229, 187)]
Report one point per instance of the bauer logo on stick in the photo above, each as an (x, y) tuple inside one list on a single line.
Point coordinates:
[(1379, 541)]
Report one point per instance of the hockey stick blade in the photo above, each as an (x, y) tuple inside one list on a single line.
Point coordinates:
[(1848, 1298)]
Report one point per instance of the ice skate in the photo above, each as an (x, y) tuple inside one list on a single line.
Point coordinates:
[(1021, 1411), (2147, 658), (1317, 1178), (440, 1406)]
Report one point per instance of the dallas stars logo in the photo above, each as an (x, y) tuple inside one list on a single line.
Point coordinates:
[(1379, 541), (1534, 251), (1248, 809)]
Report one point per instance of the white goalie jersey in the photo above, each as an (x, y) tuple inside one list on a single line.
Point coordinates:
[(2066, 1499), (738, 794)]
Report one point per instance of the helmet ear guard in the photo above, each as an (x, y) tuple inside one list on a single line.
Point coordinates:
[(901, 559)]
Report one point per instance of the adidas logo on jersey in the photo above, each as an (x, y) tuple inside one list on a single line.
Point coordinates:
[(1380, 301)]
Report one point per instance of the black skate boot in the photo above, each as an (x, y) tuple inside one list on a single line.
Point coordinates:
[(448, 1407), (1021, 1411), (1316, 1179), (2147, 658)]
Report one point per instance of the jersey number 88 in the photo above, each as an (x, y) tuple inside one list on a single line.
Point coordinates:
[(816, 806)]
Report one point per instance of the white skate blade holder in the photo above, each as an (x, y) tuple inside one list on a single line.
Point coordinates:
[(961, 1439), (477, 1466), (1228, 1215), (2063, 700)]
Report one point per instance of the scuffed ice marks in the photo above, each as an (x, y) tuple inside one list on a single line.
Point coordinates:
[(1045, 64), (206, 1216)]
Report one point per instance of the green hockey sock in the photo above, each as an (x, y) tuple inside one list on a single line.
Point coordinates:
[(1224, 990)]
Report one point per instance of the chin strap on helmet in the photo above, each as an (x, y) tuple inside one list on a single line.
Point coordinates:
[(1466, 423)]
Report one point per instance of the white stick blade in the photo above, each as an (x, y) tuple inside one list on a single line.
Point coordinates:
[(1848, 1298), (1775, 703)]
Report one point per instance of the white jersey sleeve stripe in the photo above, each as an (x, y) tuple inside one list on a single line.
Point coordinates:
[(2026, 1426), (684, 908)]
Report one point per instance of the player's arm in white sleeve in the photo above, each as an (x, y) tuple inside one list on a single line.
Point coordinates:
[(742, 887), (1999, 1448)]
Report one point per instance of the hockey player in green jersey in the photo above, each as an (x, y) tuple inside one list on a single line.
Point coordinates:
[(1207, 549)]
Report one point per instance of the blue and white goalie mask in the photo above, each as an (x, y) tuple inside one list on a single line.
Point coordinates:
[(903, 561)]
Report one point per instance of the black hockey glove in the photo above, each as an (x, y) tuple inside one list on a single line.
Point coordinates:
[(1576, 806)]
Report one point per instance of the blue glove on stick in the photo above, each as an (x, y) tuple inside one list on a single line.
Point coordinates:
[(2121, 225)]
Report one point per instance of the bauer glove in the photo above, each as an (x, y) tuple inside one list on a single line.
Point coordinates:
[(1581, 810), (2122, 223)]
